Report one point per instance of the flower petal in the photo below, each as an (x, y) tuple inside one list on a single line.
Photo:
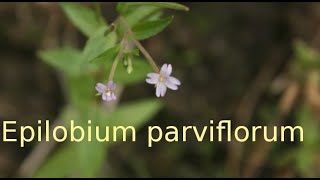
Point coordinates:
[(163, 89), (158, 90), (104, 96), (113, 88), (109, 98), (114, 97), (171, 85), (174, 80), (100, 87), (111, 85), (152, 81), (169, 70), (153, 75), (164, 69)]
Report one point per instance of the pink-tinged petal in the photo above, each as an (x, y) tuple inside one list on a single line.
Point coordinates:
[(114, 97), (163, 89), (100, 87), (152, 81), (171, 85), (158, 90), (109, 98), (104, 96), (111, 85), (164, 69), (174, 80), (169, 70), (153, 75)]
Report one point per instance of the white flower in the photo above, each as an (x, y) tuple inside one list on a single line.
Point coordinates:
[(107, 91), (163, 80)]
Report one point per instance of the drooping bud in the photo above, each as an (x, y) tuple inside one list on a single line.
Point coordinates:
[(129, 67)]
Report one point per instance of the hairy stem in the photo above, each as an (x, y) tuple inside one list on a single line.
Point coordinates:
[(98, 11), (123, 45), (139, 46)]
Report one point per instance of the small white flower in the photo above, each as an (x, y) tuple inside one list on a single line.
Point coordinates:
[(107, 91), (163, 80)]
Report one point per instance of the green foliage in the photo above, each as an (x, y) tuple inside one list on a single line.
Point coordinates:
[(58, 165), (64, 59), (140, 14), (80, 90), (306, 59), (306, 55), (124, 6), (85, 19), (141, 68), (99, 43), (77, 77), (136, 113), (307, 152), (82, 68), (90, 155), (169, 5), (148, 29), (107, 55)]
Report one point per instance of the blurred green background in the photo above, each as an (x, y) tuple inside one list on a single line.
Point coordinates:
[(253, 63)]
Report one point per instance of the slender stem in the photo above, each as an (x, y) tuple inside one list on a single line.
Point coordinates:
[(123, 44), (98, 11), (147, 55), (140, 47)]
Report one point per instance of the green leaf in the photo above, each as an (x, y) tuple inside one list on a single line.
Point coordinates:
[(59, 165), (170, 5), (306, 152), (136, 52), (148, 29), (140, 70), (99, 43), (134, 114), (107, 55), (67, 60), (91, 155), (122, 7), (81, 90), (307, 57), (85, 19), (307, 121), (140, 14), (155, 16)]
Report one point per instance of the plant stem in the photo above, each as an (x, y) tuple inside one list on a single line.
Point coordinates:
[(123, 44), (140, 47), (98, 11)]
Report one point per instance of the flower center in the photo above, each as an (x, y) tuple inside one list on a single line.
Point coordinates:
[(161, 79), (108, 92)]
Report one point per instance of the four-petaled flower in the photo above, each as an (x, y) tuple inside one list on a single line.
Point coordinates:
[(107, 91), (163, 80)]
